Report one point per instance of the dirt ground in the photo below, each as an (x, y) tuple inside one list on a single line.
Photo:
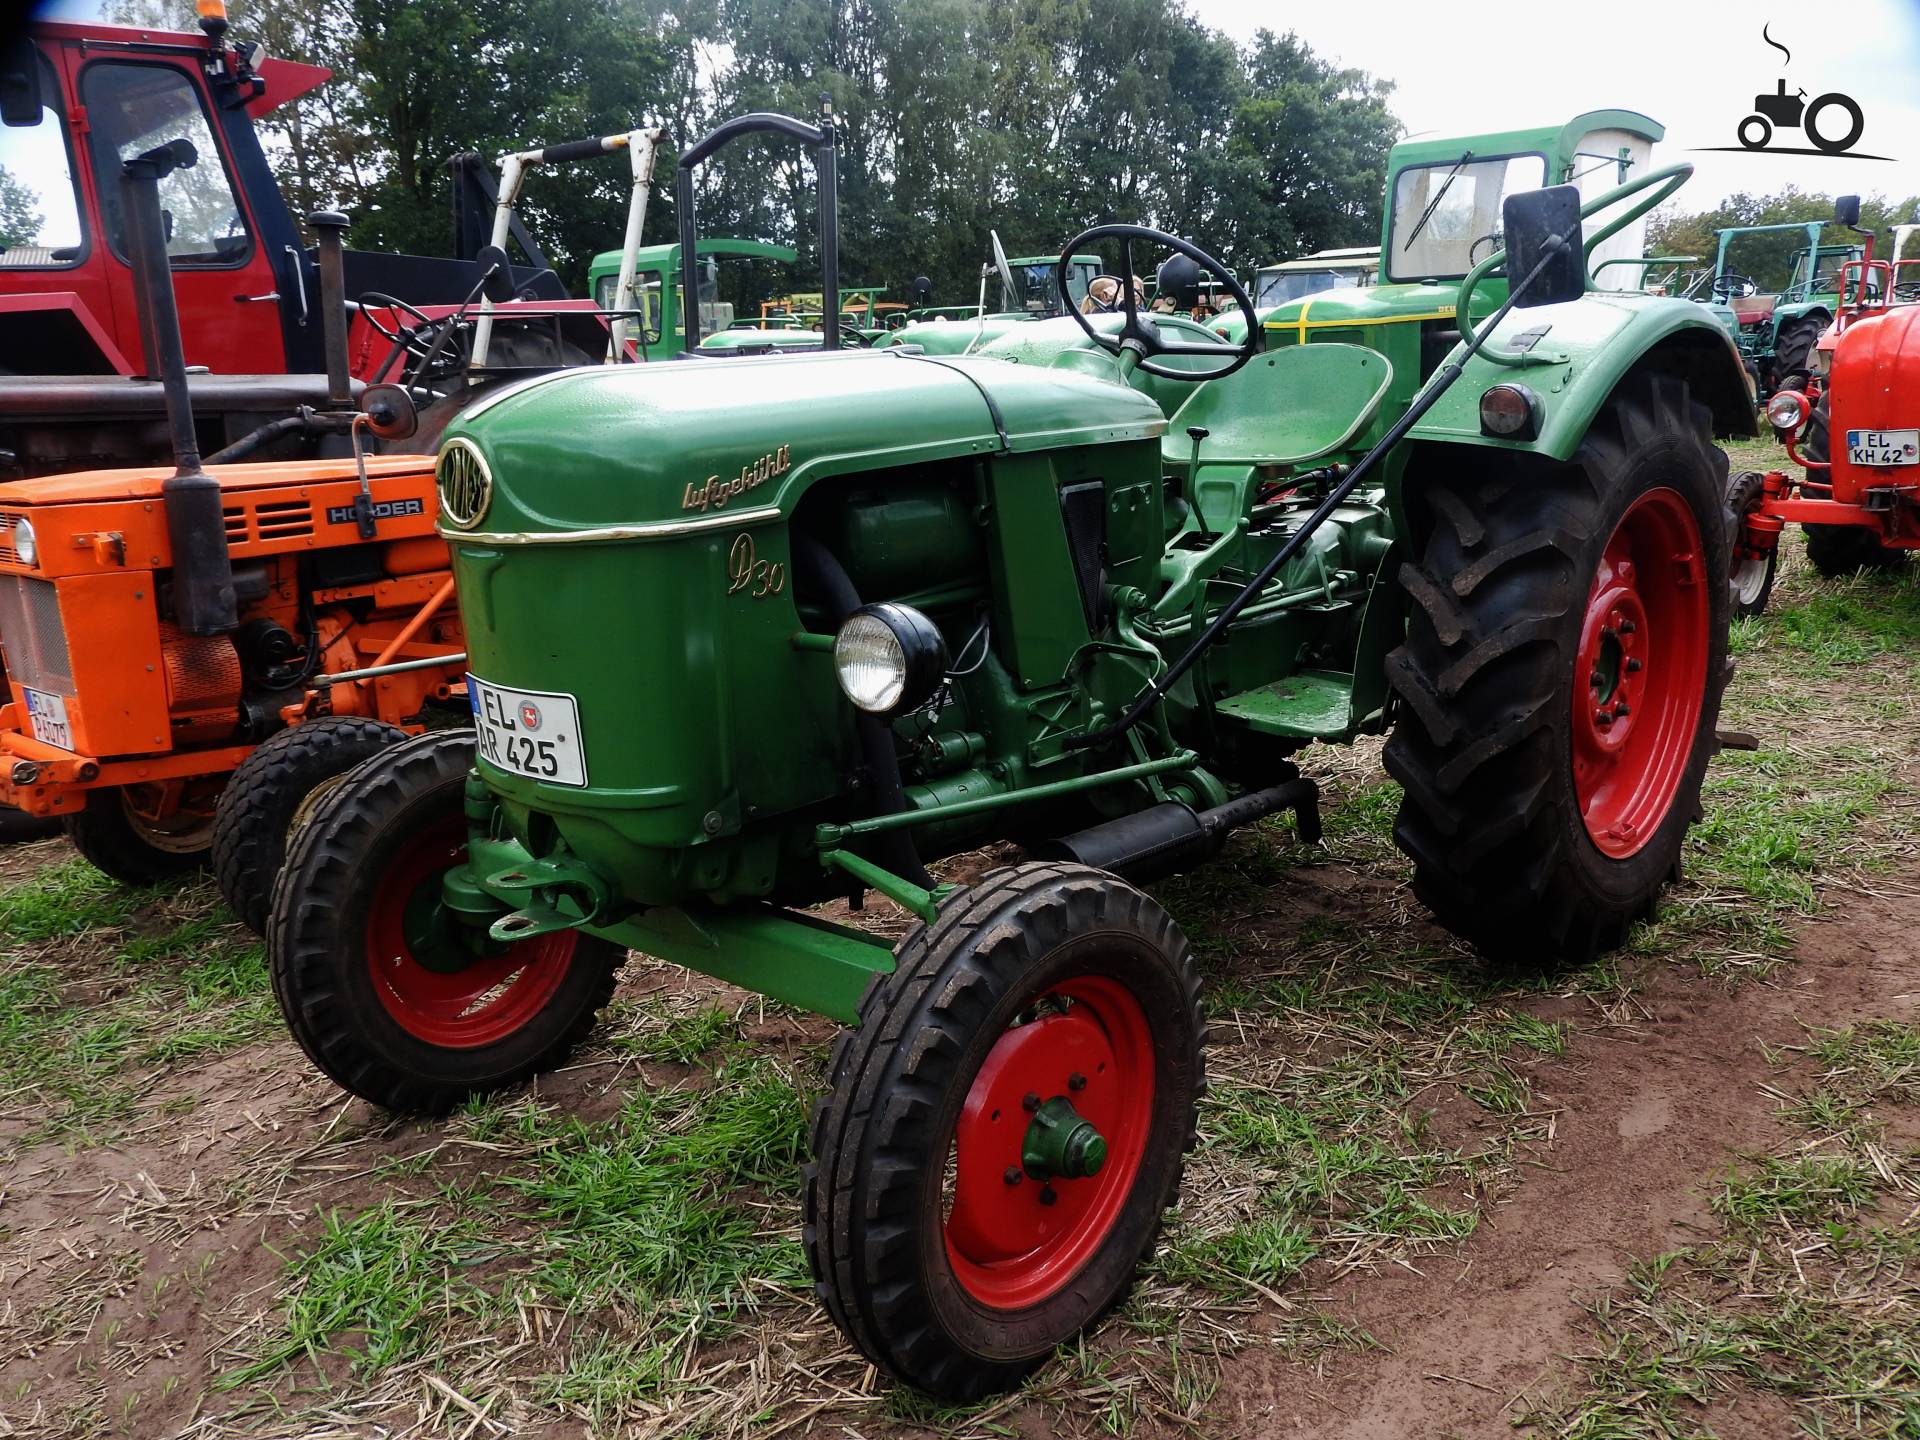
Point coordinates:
[(201, 1236)]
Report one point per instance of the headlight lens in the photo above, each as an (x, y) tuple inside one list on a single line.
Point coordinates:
[(889, 658), (1787, 411), (26, 545), (1510, 411)]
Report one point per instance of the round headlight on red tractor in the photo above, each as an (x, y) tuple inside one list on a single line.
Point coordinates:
[(1787, 412), (889, 658)]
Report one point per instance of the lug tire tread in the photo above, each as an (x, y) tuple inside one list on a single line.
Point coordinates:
[(885, 1080)]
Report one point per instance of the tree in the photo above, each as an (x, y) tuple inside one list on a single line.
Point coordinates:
[(1767, 259), (19, 218)]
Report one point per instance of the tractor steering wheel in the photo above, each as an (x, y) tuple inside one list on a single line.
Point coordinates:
[(1731, 285), (1141, 336)]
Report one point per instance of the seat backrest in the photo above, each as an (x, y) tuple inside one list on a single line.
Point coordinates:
[(1284, 407), (1751, 309)]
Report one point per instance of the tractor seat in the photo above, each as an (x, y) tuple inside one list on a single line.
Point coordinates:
[(1752, 309), (1283, 407)]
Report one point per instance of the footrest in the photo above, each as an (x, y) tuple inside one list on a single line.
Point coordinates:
[(1311, 705)]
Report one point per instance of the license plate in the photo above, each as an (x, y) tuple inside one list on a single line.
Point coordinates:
[(531, 733), (1883, 447), (47, 715)]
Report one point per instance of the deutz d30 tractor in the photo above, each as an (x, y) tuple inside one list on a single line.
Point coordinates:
[(749, 634)]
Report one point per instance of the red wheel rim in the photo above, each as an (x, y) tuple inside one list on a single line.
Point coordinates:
[(483, 1001), (1007, 1246), (1640, 680)]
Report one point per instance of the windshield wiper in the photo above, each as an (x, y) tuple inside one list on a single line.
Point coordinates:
[(1434, 204)]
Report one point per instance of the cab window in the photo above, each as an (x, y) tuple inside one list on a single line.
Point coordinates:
[(132, 108), (39, 199), (1446, 217)]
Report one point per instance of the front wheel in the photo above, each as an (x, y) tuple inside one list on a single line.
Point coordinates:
[(385, 989), (1561, 679), (1006, 1127), (146, 834), (270, 796)]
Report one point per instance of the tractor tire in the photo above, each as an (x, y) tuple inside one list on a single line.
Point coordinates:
[(947, 1257), (386, 993), (1793, 351), (1838, 551), (1750, 571), (270, 796), (1539, 830), (121, 844)]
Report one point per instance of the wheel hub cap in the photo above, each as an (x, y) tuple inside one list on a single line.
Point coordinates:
[(1049, 1143)]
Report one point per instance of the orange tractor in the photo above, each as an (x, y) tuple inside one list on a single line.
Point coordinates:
[(1854, 435), (167, 628)]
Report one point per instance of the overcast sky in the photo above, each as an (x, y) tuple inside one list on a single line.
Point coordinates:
[(1693, 65)]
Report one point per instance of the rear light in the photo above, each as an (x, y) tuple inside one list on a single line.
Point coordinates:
[(1511, 412), (1787, 412)]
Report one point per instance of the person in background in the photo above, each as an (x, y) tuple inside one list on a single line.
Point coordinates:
[(1103, 296)]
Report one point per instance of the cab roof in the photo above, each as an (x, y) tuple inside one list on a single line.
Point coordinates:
[(1327, 260), (666, 257), (1553, 141)]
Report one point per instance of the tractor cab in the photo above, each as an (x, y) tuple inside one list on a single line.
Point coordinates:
[(722, 266)]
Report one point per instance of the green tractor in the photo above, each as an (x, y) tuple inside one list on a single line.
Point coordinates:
[(1776, 332), (750, 634), (658, 286)]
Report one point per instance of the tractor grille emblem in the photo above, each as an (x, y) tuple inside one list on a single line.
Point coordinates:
[(465, 484)]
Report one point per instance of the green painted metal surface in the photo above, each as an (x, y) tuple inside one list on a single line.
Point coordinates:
[(645, 545)]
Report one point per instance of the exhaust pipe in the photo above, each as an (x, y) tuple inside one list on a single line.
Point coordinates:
[(203, 600), (1170, 836), (329, 231)]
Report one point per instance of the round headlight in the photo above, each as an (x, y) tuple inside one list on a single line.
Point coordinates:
[(889, 658), (1787, 411), (26, 545)]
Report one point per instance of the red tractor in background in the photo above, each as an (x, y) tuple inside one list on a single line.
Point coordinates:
[(78, 386), (1854, 434)]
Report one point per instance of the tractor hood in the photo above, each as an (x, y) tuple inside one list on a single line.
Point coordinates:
[(634, 450)]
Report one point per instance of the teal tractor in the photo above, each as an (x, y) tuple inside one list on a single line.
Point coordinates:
[(1776, 331), (753, 633)]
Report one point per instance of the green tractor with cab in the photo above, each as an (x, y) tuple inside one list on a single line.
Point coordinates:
[(749, 633)]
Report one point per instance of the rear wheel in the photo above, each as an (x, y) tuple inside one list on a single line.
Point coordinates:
[(1561, 680), (146, 834), (383, 987), (272, 793), (1793, 351), (1006, 1127)]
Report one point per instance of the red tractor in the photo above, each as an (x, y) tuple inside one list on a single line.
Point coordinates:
[(1854, 434), (77, 372)]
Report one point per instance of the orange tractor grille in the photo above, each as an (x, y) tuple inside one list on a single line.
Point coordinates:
[(36, 638)]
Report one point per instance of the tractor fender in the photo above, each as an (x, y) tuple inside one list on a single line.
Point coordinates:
[(1596, 343)]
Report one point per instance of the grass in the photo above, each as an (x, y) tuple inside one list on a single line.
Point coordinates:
[(1810, 1298), (76, 1038)]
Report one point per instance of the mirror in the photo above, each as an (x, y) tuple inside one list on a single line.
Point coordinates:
[(390, 411), (1009, 291), (922, 290), (496, 276), (1846, 211), (1531, 220), (20, 102)]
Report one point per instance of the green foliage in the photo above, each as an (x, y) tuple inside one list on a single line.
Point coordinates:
[(1036, 118), (1767, 258), (19, 218)]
